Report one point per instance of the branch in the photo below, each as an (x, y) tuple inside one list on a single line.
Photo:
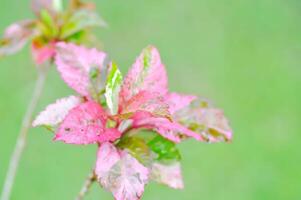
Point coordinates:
[(87, 185), (21, 140)]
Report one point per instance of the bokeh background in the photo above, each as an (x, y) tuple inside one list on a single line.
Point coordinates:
[(243, 54)]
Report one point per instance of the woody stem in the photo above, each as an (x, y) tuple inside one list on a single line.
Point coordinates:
[(86, 186), (22, 138)]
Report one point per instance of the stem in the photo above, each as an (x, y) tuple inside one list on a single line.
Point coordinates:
[(21, 140), (87, 185)]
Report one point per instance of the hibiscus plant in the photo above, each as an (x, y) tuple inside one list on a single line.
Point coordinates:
[(136, 121)]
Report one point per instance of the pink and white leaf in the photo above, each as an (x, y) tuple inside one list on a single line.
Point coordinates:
[(78, 67), (218, 128), (172, 131), (84, 124), (120, 173), (169, 175), (149, 102), (147, 74), (55, 113), (177, 101), (206, 120)]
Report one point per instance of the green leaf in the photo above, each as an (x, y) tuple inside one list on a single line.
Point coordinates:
[(48, 26), (113, 86), (149, 147), (81, 20), (137, 148), (165, 150)]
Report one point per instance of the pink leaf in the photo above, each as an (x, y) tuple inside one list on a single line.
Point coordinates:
[(120, 173), (111, 134), (178, 101), (52, 6), (16, 36), (84, 124), (147, 73), (146, 102), (217, 125), (81, 68), (169, 175), (170, 130), (55, 113), (42, 53), (202, 118)]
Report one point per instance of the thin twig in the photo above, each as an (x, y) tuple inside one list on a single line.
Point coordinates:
[(22, 138), (87, 185)]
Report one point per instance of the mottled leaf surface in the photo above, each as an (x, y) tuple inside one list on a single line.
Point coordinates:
[(55, 113), (167, 174), (83, 69), (120, 173), (145, 101), (178, 101), (147, 74), (160, 155), (202, 118), (84, 124), (170, 130)]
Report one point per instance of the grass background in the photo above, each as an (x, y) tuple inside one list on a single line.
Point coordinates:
[(242, 54)]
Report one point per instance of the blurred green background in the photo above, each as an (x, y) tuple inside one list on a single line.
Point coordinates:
[(243, 54)]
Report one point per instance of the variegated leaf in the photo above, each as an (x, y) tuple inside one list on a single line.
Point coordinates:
[(84, 70), (167, 174), (84, 124), (178, 101), (147, 74), (172, 131), (113, 85), (202, 118), (120, 173), (146, 101), (160, 155), (55, 113)]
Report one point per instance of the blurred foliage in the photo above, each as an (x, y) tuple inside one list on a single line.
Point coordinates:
[(242, 54)]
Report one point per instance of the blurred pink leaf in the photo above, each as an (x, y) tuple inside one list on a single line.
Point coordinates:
[(82, 69), (202, 118), (83, 125), (16, 36), (120, 173), (52, 6), (44, 53), (147, 74), (55, 113), (168, 174)]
